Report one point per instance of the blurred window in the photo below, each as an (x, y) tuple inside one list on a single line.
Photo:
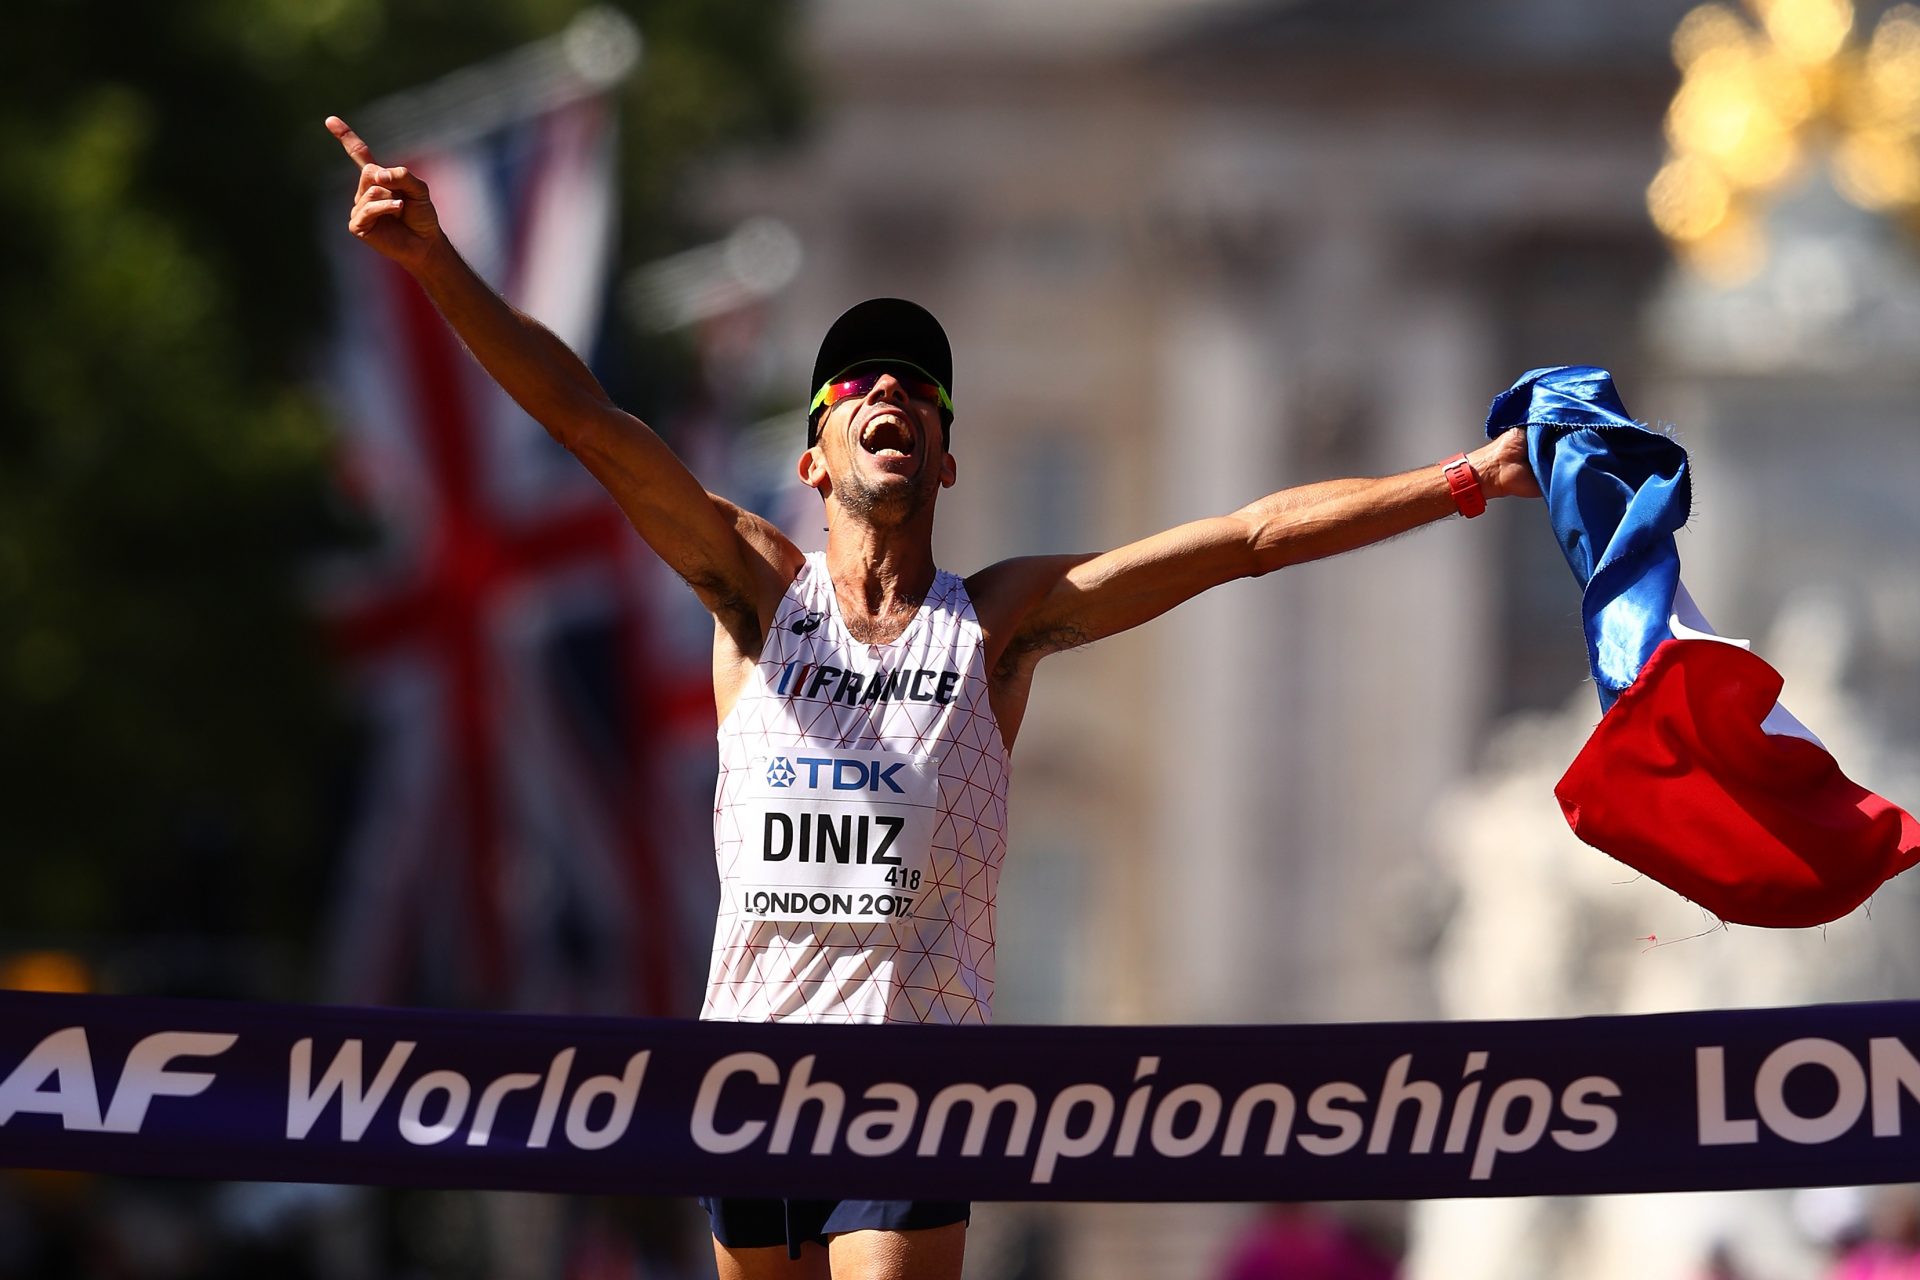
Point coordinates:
[(1048, 493)]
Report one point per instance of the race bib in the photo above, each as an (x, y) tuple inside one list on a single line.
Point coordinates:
[(838, 837)]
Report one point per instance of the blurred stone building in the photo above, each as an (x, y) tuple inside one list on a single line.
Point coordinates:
[(1192, 253)]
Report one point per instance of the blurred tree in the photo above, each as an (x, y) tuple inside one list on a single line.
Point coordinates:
[(166, 734)]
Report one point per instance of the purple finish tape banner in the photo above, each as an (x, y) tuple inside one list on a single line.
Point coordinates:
[(1761, 1098)]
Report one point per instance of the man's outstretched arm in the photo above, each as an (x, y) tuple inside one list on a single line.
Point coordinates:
[(1044, 604), (697, 536)]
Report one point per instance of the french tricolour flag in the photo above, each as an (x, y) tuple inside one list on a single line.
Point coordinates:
[(1696, 775)]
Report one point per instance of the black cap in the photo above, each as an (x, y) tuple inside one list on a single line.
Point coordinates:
[(883, 329)]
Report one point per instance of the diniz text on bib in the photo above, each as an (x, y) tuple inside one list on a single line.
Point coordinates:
[(838, 836)]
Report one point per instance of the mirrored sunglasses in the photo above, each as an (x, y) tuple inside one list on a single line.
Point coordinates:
[(915, 381)]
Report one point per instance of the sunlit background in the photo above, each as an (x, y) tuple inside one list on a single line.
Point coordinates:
[(324, 676)]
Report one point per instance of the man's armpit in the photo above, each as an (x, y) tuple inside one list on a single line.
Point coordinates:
[(731, 608), (1029, 646)]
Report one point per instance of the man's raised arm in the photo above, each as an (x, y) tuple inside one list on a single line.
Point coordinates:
[(697, 536), (1045, 604)]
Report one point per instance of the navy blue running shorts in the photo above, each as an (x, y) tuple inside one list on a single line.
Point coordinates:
[(760, 1224)]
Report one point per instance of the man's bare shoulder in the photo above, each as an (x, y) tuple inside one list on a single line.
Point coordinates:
[(1018, 576), (764, 538), (744, 610), (1007, 596)]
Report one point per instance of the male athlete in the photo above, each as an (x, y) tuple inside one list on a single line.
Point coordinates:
[(868, 701)]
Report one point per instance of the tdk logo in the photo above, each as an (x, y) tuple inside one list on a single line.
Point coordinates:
[(836, 773)]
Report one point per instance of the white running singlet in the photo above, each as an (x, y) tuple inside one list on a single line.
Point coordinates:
[(860, 820)]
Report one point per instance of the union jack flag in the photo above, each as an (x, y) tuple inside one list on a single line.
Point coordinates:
[(519, 836)]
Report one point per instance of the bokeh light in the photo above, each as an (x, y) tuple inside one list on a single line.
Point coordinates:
[(1810, 32), (1877, 169), (1892, 67), (1706, 29), (1688, 199), (1762, 94)]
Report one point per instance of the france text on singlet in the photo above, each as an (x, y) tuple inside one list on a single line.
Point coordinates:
[(860, 820)]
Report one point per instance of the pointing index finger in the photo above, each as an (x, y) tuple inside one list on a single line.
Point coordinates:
[(357, 151)]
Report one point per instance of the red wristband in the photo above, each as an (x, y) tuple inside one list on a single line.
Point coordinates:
[(1464, 485)]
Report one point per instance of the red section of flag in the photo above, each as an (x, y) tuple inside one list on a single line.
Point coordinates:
[(1680, 782)]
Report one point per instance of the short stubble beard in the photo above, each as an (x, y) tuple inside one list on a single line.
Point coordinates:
[(873, 505)]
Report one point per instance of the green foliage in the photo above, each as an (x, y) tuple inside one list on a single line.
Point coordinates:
[(167, 731)]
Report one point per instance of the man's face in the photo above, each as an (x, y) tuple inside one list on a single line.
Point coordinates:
[(882, 455)]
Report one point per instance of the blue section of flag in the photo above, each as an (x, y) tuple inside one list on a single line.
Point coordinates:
[(1616, 492)]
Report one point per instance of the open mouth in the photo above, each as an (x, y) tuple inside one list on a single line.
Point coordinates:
[(887, 435)]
